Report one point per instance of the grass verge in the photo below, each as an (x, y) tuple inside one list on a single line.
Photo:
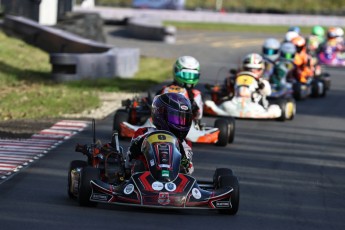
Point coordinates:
[(228, 27), (27, 92)]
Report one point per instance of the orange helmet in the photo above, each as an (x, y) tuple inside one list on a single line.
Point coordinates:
[(332, 32), (300, 43)]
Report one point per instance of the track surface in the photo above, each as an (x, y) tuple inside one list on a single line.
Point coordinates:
[(291, 173)]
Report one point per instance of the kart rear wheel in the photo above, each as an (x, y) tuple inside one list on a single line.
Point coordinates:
[(87, 174), (220, 172), (120, 116), (73, 165), (291, 105), (288, 108), (231, 181), (231, 129), (223, 127)]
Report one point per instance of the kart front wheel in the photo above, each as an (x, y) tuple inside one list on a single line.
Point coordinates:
[(231, 129), (87, 174), (120, 116), (223, 127), (220, 172), (231, 181), (73, 165)]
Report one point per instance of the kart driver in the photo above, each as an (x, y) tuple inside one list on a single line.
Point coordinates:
[(171, 112), (186, 71), (303, 61), (270, 53), (254, 63)]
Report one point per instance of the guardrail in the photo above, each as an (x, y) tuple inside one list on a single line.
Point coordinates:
[(73, 57)]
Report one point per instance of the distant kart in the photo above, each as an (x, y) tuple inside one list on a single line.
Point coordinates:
[(243, 104), (136, 114), (161, 183), (329, 56)]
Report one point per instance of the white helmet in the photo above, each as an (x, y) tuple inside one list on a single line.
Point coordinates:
[(339, 32), (287, 51), (270, 49), (253, 61), (290, 35)]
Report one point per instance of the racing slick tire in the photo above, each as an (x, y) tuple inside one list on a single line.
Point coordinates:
[(231, 129), (223, 136), (120, 116), (73, 165), (231, 181), (87, 174), (288, 108), (291, 108), (220, 172), (316, 90)]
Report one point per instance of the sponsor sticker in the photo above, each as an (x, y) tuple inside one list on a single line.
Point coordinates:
[(184, 107), (170, 187), (165, 173), (128, 189), (157, 186), (163, 198), (220, 204), (152, 162), (101, 197), (196, 193)]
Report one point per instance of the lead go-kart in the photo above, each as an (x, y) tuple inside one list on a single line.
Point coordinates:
[(136, 114), (161, 183), (244, 102)]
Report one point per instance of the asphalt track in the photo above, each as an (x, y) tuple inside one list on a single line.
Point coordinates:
[(291, 173)]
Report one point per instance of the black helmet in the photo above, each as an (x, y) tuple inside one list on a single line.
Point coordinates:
[(172, 112)]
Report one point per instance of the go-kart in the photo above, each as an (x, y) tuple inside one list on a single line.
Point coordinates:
[(315, 86), (160, 182), (136, 114), (245, 102), (329, 56)]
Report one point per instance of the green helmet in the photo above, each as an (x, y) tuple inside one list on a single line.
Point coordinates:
[(318, 31), (186, 71)]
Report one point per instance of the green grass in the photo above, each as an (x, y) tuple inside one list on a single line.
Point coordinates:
[(227, 27), (27, 91)]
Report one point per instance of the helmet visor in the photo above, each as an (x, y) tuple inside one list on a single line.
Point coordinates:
[(188, 76), (178, 118), (299, 48), (288, 56), (268, 51)]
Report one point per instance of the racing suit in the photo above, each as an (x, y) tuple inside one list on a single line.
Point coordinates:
[(134, 151)]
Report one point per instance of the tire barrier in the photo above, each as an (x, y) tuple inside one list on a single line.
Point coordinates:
[(73, 57), (122, 62), (150, 28)]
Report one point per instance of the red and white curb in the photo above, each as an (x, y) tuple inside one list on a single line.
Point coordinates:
[(15, 154)]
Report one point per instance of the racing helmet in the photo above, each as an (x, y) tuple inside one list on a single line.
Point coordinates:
[(186, 71), (295, 29), (318, 31), (290, 35), (270, 49), (300, 43), (172, 112), (339, 31), (287, 51), (253, 62), (332, 32)]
